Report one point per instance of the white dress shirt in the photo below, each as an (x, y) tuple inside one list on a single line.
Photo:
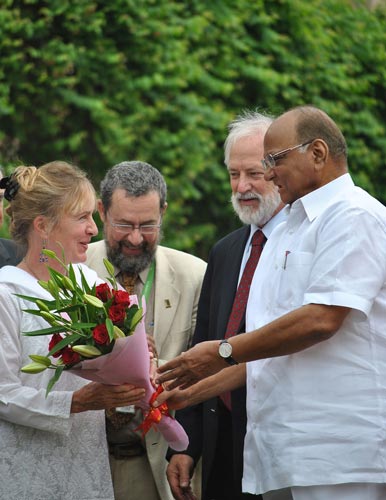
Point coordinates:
[(318, 417)]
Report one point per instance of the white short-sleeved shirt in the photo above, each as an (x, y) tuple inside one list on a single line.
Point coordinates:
[(319, 416), (46, 453)]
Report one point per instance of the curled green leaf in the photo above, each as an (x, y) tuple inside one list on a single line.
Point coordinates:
[(43, 360), (94, 301), (34, 368), (42, 306), (109, 267), (48, 317), (49, 253), (87, 351), (67, 283), (44, 284), (118, 333)]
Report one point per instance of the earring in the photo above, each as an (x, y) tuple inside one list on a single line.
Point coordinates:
[(42, 257)]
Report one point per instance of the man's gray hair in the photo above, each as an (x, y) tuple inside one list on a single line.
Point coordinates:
[(137, 178), (246, 124)]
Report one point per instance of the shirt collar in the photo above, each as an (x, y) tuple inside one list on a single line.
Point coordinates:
[(269, 226), (314, 203)]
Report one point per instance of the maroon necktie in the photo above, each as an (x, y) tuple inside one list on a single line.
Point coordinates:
[(241, 297)]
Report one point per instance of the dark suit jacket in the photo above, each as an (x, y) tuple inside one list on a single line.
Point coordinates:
[(10, 254), (215, 304)]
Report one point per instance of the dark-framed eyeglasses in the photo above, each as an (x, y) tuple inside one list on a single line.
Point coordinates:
[(130, 228), (269, 161)]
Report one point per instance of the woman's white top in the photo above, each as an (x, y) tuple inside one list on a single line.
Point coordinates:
[(45, 453)]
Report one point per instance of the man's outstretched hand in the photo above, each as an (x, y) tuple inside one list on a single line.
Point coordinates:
[(199, 362)]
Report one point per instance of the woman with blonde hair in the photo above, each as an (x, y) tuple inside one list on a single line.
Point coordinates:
[(54, 447)]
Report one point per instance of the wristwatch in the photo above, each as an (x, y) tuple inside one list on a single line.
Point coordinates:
[(225, 351)]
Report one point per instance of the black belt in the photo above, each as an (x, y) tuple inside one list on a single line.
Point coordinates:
[(126, 450)]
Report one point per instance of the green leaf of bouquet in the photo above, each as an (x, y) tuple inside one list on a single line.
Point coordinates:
[(113, 282), (54, 379), (136, 318), (71, 308), (45, 331), (85, 285), (50, 303), (35, 312), (44, 360), (93, 301), (110, 328), (83, 326), (56, 277), (71, 273)]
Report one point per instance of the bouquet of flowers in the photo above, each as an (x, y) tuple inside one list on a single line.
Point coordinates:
[(85, 321), (97, 332)]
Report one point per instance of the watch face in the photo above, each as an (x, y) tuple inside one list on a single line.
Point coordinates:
[(225, 350)]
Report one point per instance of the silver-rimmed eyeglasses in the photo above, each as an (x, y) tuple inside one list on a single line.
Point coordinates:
[(269, 161), (129, 228)]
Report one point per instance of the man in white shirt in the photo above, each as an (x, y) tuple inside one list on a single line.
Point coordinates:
[(316, 386), (216, 428)]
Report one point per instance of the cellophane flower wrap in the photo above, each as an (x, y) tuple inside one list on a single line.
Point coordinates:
[(98, 333)]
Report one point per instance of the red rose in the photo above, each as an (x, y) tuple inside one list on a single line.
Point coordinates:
[(55, 339), (103, 292), (121, 297), (69, 357), (101, 335), (117, 313)]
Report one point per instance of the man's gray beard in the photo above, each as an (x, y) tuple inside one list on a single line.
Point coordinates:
[(133, 264), (260, 216)]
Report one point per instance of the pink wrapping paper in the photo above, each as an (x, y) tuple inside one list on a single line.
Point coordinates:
[(129, 362)]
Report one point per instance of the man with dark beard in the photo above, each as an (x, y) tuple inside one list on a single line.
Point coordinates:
[(216, 430), (132, 205)]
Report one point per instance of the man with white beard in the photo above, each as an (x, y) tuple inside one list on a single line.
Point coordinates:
[(216, 428)]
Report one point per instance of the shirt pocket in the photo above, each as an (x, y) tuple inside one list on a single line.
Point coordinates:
[(294, 279)]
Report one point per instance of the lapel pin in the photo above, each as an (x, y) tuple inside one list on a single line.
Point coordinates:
[(167, 304)]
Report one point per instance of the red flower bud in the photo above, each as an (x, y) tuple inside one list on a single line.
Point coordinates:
[(103, 292), (55, 339), (121, 297), (100, 334), (69, 357), (117, 313)]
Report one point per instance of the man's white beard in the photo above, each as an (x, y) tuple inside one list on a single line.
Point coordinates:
[(258, 216)]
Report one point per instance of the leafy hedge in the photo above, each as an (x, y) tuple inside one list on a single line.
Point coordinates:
[(98, 82)]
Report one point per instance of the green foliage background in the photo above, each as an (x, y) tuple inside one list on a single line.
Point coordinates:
[(98, 82)]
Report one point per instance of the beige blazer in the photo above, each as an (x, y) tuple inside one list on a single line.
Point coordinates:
[(178, 280)]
